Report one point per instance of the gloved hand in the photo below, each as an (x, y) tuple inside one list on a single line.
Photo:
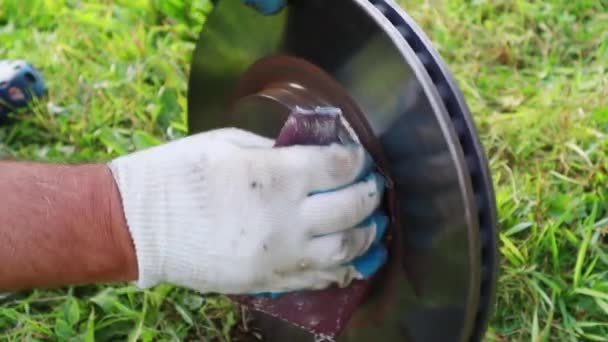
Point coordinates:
[(224, 212), (266, 7)]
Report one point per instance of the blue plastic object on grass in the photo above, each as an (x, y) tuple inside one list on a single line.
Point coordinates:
[(266, 7), (20, 83)]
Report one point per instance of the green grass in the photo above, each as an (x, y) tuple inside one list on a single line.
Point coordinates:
[(535, 74)]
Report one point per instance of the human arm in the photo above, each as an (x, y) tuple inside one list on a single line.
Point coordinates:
[(60, 225)]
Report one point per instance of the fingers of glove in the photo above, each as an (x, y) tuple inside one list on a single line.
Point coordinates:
[(339, 248), (368, 264), (266, 7), (339, 258), (303, 281), (324, 168), (240, 137), (362, 267), (331, 212), (311, 280)]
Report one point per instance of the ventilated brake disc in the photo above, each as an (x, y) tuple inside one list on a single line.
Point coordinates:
[(371, 60)]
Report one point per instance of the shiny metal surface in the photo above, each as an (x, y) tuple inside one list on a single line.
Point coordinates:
[(445, 202)]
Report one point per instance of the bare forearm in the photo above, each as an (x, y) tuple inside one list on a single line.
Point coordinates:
[(61, 225)]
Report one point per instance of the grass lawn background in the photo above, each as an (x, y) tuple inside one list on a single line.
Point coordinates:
[(535, 74)]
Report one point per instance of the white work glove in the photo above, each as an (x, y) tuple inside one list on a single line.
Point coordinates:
[(224, 212)]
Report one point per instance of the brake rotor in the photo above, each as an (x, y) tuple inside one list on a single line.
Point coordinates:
[(371, 60)]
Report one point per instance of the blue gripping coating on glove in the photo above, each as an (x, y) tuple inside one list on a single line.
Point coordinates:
[(381, 221), (371, 261), (266, 7)]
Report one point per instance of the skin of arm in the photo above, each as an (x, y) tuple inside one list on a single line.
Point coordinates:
[(61, 225)]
